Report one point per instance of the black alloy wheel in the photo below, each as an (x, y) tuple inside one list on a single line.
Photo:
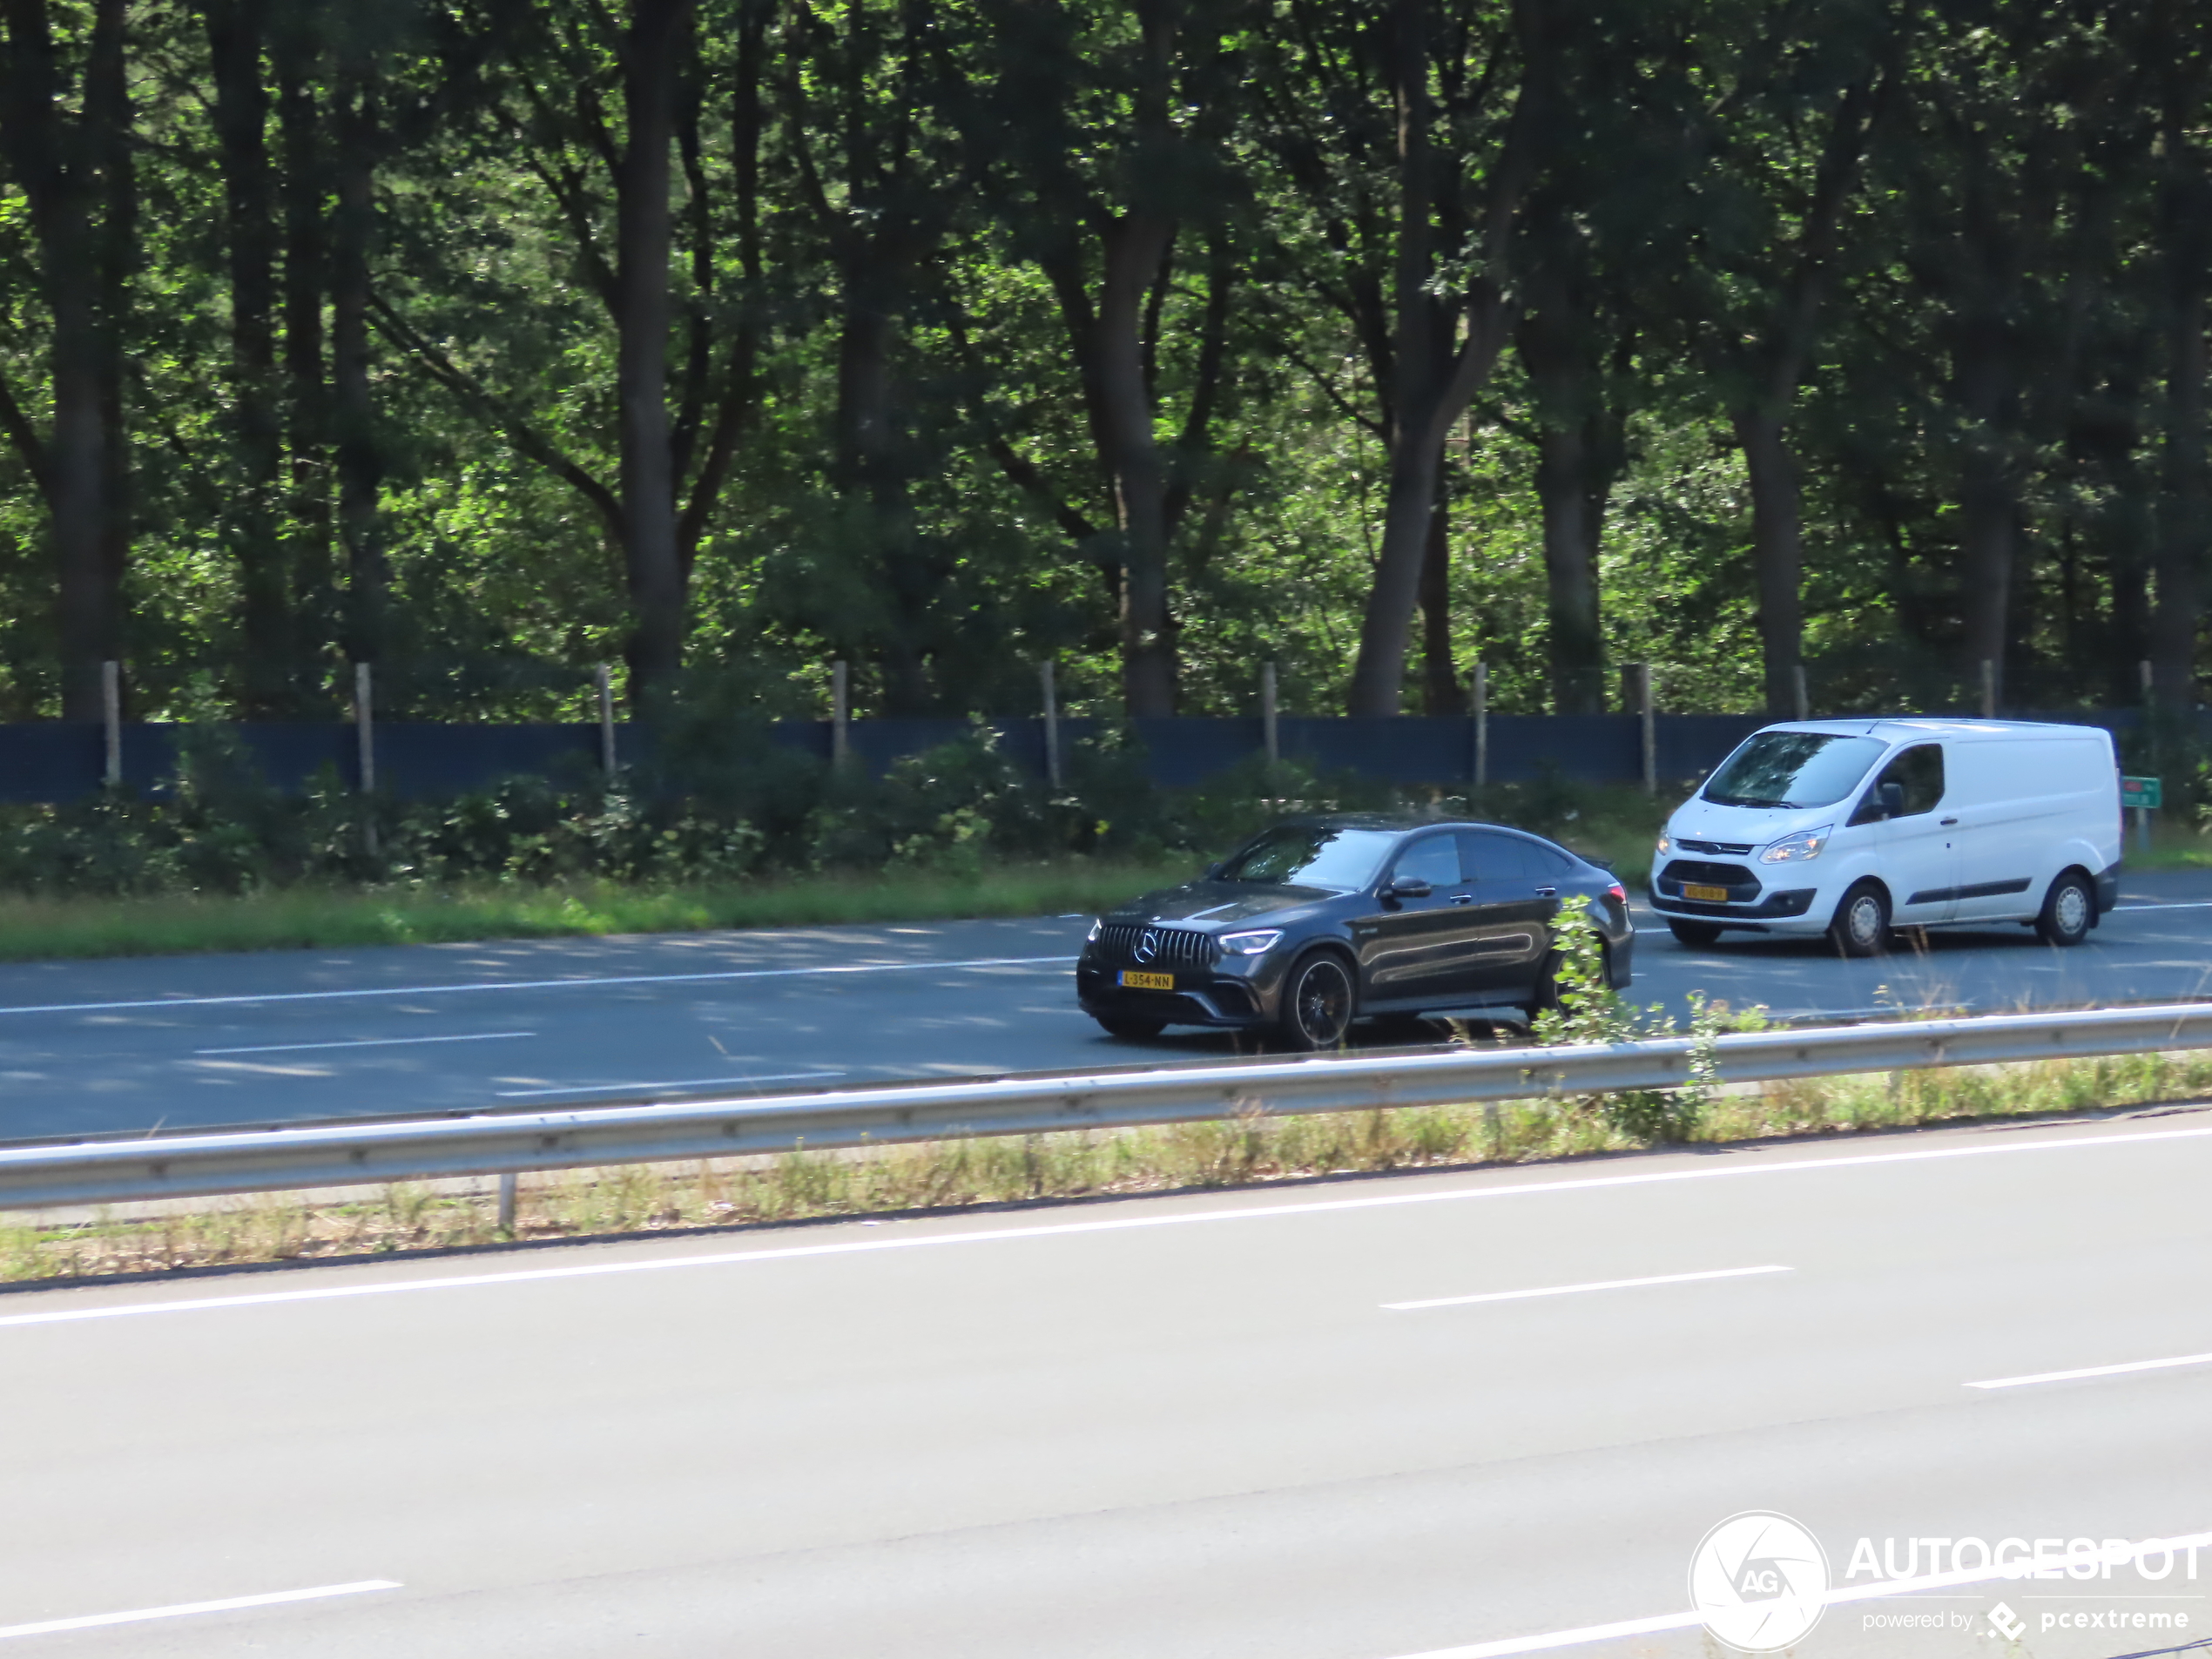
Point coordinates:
[(1123, 1025), (2070, 911), (1695, 935), (1862, 923), (1318, 1003)]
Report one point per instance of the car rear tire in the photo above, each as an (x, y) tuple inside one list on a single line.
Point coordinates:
[(1121, 1025), (1862, 923), (2070, 911), (1320, 1002), (1695, 935)]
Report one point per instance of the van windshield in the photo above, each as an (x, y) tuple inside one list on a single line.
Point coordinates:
[(1793, 769)]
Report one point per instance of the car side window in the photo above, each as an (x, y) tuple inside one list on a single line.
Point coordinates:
[(1486, 857), (1433, 858), (1917, 772)]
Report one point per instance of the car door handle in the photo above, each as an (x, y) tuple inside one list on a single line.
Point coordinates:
[(1948, 822), (1548, 893), (1463, 898)]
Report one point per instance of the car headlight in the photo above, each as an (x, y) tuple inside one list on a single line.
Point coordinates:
[(1666, 844), (1800, 849), (1253, 944), (1098, 927)]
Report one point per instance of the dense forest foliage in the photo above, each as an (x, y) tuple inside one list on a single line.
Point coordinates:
[(485, 340)]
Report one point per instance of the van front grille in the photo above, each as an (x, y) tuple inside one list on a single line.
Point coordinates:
[(1729, 847)]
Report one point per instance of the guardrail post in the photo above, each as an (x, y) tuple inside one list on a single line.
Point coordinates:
[(111, 720), (841, 711), (1269, 732), (1647, 714), (603, 684), (1804, 692), (1480, 699), (1051, 723), (509, 1184), (365, 748)]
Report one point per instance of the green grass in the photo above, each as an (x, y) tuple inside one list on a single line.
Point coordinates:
[(311, 918), (1250, 1150)]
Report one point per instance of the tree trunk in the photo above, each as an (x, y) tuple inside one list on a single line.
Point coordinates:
[(1578, 454), (237, 31), (358, 454), (2182, 515), (870, 474), (108, 114), (307, 420), (52, 160), (1135, 244), (1778, 553), (1439, 678), (1988, 510), (652, 46)]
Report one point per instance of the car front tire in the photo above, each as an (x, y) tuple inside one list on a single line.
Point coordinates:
[(2070, 911), (1695, 935), (1862, 923), (1320, 1002)]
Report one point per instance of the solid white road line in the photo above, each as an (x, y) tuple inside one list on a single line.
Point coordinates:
[(2096, 1371), (1071, 1229), (185, 1610), (681, 1082), (530, 985), (1879, 1591), (367, 1042), (2193, 904), (1576, 1290)]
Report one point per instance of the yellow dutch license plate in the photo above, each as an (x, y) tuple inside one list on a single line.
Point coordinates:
[(1148, 981), (1708, 895)]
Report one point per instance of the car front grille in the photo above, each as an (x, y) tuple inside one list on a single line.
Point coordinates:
[(1173, 948), (1729, 847)]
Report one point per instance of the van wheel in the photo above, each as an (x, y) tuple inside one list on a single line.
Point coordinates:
[(2070, 911), (1695, 935), (1862, 923), (1318, 1003)]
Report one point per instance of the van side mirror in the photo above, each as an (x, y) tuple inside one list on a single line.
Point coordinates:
[(1893, 801)]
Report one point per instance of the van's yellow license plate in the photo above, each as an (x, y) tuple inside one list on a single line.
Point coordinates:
[(1148, 981), (1704, 895)]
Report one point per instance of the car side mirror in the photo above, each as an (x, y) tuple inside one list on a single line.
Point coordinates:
[(1213, 871), (1407, 886), (1892, 797)]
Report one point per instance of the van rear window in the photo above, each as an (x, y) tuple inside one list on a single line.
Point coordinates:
[(1793, 769)]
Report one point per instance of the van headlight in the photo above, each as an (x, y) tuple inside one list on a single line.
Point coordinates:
[(1253, 944), (1800, 849), (1666, 844)]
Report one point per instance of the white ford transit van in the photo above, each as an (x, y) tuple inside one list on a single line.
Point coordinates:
[(1851, 827)]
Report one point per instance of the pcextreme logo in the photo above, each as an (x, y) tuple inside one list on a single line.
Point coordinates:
[(1760, 1581)]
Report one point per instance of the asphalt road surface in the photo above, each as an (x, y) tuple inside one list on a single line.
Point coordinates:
[(1361, 1420), (191, 1042), (131, 1046)]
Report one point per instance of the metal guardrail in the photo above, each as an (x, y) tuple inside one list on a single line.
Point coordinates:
[(607, 1132)]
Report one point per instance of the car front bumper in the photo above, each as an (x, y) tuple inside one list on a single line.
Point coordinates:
[(1232, 1000)]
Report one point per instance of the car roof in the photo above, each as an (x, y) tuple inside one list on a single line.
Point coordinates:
[(1901, 727), (1408, 821)]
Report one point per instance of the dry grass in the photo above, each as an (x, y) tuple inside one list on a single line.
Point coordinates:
[(952, 1175)]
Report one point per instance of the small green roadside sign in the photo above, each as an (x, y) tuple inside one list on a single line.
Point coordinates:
[(2138, 792)]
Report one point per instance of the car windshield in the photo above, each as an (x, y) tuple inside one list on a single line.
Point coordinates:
[(1793, 769), (1312, 856)]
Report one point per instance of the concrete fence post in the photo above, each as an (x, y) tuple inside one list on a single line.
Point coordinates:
[(1052, 722), (841, 711), (604, 687), (1988, 689), (111, 721), (1270, 730), (1804, 692), (1648, 715), (1480, 697), (365, 751), (508, 1185)]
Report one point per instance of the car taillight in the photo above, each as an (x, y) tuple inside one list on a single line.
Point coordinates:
[(1619, 892)]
